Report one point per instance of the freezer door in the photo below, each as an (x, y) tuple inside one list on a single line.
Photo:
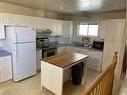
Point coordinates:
[(25, 65), (25, 34)]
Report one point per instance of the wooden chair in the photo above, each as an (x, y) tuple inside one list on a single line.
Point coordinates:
[(103, 84)]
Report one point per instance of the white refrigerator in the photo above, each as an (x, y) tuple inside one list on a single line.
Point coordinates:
[(21, 42)]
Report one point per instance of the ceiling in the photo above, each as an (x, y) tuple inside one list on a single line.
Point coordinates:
[(72, 6)]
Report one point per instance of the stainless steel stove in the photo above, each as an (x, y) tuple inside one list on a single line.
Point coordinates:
[(47, 50)]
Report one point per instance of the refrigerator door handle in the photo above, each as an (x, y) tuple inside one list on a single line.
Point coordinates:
[(16, 50)]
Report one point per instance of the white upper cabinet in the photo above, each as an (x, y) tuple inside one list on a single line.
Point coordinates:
[(44, 23), (47, 23), (111, 29), (106, 29), (102, 29), (39, 23), (26, 20), (1, 19), (119, 29), (18, 20), (67, 28), (2, 32), (57, 28), (10, 19)]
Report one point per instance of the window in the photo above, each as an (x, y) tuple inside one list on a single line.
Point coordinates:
[(88, 29)]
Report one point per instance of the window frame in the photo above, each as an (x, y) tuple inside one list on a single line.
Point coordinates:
[(88, 29)]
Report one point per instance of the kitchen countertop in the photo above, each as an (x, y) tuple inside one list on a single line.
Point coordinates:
[(71, 45), (92, 49), (65, 59), (4, 53)]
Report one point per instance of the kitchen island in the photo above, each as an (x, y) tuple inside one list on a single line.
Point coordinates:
[(52, 70)]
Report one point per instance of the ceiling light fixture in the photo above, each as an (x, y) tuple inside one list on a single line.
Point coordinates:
[(61, 6)]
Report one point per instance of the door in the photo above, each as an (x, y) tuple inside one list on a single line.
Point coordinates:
[(25, 61), (25, 34)]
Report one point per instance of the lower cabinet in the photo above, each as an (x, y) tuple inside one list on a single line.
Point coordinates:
[(5, 68)]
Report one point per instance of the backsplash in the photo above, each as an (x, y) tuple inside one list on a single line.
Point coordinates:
[(64, 40), (1, 43)]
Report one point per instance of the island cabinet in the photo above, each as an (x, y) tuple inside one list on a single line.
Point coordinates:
[(5, 68), (53, 70)]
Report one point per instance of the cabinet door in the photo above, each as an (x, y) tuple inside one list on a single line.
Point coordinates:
[(5, 68), (110, 47), (26, 20), (119, 29), (2, 32), (57, 28), (10, 19), (110, 29), (39, 23), (66, 28), (102, 29), (1, 18), (47, 23)]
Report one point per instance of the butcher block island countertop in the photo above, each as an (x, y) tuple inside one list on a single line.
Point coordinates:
[(53, 70), (65, 59)]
